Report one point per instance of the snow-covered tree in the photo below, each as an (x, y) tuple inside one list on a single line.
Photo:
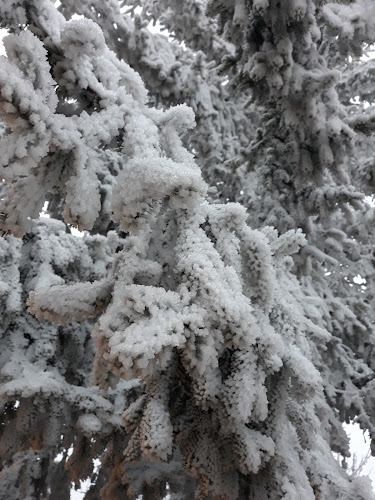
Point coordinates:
[(213, 329)]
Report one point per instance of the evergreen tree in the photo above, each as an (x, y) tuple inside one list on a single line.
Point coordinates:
[(213, 329)]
